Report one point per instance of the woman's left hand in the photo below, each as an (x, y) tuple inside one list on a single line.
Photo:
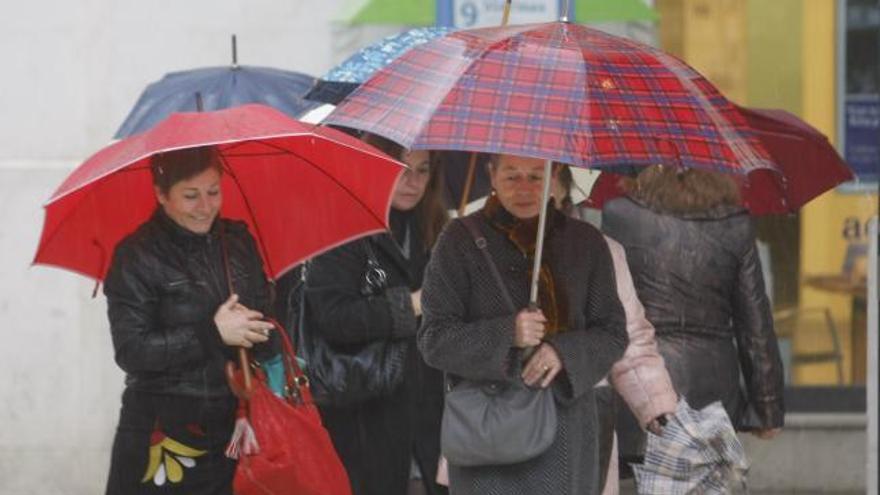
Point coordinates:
[(542, 367)]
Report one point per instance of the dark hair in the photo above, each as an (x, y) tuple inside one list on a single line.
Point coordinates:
[(171, 167), (566, 180), (430, 210), (682, 190)]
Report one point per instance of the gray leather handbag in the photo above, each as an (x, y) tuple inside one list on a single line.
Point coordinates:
[(495, 423)]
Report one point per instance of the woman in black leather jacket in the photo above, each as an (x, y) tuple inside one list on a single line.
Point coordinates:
[(382, 440), (691, 249), (174, 325)]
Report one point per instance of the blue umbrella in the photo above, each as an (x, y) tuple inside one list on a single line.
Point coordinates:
[(216, 88), (356, 69)]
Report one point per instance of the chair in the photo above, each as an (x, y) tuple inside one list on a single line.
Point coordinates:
[(794, 320)]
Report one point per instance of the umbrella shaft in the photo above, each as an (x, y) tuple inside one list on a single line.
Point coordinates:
[(539, 242)]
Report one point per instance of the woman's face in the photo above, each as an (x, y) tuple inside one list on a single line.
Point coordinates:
[(412, 184), (518, 185), (195, 202)]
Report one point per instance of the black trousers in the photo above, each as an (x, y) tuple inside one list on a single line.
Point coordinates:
[(172, 445)]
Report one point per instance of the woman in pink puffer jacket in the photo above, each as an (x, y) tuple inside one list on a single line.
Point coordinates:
[(640, 376)]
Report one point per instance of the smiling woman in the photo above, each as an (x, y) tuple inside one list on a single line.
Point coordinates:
[(174, 325), (187, 184)]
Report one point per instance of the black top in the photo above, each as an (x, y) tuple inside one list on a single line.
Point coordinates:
[(163, 288)]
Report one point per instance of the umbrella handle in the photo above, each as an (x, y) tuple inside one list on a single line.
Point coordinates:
[(539, 242), (469, 180), (244, 363), (506, 15), (240, 388)]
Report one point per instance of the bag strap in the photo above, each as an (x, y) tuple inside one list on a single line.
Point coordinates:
[(297, 382), (243, 359), (480, 241)]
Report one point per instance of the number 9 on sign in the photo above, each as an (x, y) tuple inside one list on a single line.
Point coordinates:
[(468, 13)]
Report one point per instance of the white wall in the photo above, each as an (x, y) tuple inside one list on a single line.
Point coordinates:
[(70, 72)]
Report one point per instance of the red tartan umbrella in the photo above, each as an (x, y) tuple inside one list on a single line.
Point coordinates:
[(301, 189), (555, 91), (808, 163)]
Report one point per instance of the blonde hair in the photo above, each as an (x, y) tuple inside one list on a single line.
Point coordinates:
[(682, 190)]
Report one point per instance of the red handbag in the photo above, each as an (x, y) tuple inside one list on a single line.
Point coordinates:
[(282, 447)]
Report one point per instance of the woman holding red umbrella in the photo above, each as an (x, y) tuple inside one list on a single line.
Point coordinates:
[(174, 326)]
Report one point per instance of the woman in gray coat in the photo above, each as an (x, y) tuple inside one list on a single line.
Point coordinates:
[(469, 332)]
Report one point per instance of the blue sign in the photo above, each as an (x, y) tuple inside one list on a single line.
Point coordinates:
[(467, 14), (862, 121)]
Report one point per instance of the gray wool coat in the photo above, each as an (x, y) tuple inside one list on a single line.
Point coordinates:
[(468, 331)]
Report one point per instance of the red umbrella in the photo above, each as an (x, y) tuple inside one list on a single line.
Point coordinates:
[(555, 91), (301, 189), (808, 163)]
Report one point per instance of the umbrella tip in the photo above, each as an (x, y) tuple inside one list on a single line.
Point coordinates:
[(200, 107), (234, 53)]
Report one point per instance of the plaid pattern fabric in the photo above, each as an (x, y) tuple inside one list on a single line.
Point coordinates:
[(698, 453), (555, 91)]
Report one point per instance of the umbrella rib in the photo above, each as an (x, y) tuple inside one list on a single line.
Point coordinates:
[(250, 210), (322, 171)]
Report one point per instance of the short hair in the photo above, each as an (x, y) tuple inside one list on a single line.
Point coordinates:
[(170, 167)]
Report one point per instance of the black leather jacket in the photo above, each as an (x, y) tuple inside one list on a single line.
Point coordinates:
[(163, 288), (699, 278)]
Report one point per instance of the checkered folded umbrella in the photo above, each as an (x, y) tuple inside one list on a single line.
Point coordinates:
[(555, 91), (697, 453)]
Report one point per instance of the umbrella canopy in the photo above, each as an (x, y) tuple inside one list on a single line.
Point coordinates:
[(697, 453), (341, 80), (556, 91), (807, 164), (301, 189), (218, 88)]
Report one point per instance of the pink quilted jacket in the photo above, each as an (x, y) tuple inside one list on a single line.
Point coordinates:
[(640, 376)]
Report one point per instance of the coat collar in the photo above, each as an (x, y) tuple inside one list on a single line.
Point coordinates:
[(183, 236), (717, 213)]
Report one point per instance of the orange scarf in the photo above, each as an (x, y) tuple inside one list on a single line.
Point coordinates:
[(523, 234)]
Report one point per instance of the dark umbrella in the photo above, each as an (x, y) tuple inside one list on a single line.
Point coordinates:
[(218, 88), (807, 166)]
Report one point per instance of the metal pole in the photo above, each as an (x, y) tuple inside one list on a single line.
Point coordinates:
[(873, 357), (539, 244)]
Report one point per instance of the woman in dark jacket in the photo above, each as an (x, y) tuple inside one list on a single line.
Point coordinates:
[(471, 332), (381, 440), (174, 326), (692, 253)]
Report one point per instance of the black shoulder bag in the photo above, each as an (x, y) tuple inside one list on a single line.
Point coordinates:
[(346, 375)]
